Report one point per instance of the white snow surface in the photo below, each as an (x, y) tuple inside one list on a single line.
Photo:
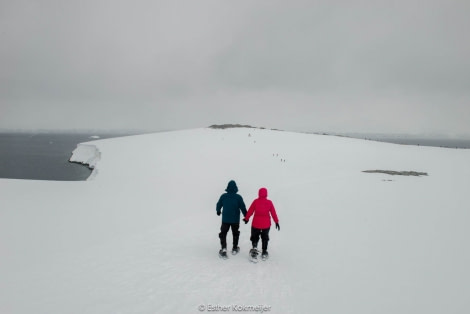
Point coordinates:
[(142, 237)]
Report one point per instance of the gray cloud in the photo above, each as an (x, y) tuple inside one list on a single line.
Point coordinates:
[(303, 65)]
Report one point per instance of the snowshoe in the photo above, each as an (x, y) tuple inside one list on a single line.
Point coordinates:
[(254, 255), (223, 253), (264, 255), (235, 250)]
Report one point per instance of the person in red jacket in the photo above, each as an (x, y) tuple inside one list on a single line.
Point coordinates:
[(263, 209)]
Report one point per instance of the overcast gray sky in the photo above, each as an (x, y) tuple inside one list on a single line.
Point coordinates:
[(326, 65)]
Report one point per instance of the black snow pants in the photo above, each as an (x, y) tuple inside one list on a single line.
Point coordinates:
[(255, 235), (223, 234)]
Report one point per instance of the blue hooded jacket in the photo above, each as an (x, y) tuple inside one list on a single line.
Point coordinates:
[(232, 203)]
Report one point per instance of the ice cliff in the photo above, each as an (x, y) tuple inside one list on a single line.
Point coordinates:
[(88, 155)]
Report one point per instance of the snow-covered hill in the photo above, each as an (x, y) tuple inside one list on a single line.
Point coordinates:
[(142, 236)]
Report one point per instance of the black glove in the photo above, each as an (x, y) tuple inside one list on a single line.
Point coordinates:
[(277, 227), (218, 213), (246, 221)]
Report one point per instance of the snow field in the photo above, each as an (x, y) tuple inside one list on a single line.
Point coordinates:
[(142, 236)]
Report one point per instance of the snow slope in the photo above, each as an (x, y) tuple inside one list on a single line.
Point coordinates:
[(142, 236)]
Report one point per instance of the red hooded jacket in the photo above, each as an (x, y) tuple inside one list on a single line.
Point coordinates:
[(263, 210)]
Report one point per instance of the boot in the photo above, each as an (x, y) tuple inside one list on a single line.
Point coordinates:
[(223, 253)]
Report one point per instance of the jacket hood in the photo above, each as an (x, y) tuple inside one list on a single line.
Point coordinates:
[(263, 193), (231, 187)]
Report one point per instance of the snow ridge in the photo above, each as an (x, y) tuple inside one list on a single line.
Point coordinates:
[(88, 155)]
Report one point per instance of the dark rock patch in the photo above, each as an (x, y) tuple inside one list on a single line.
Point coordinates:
[(398, 173)]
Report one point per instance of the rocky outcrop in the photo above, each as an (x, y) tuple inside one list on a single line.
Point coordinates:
[(398, 173)]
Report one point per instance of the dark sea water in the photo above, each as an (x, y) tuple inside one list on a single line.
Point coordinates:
[(43, 156)]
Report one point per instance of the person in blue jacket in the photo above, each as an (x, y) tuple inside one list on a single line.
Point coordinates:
[(229, 205)]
